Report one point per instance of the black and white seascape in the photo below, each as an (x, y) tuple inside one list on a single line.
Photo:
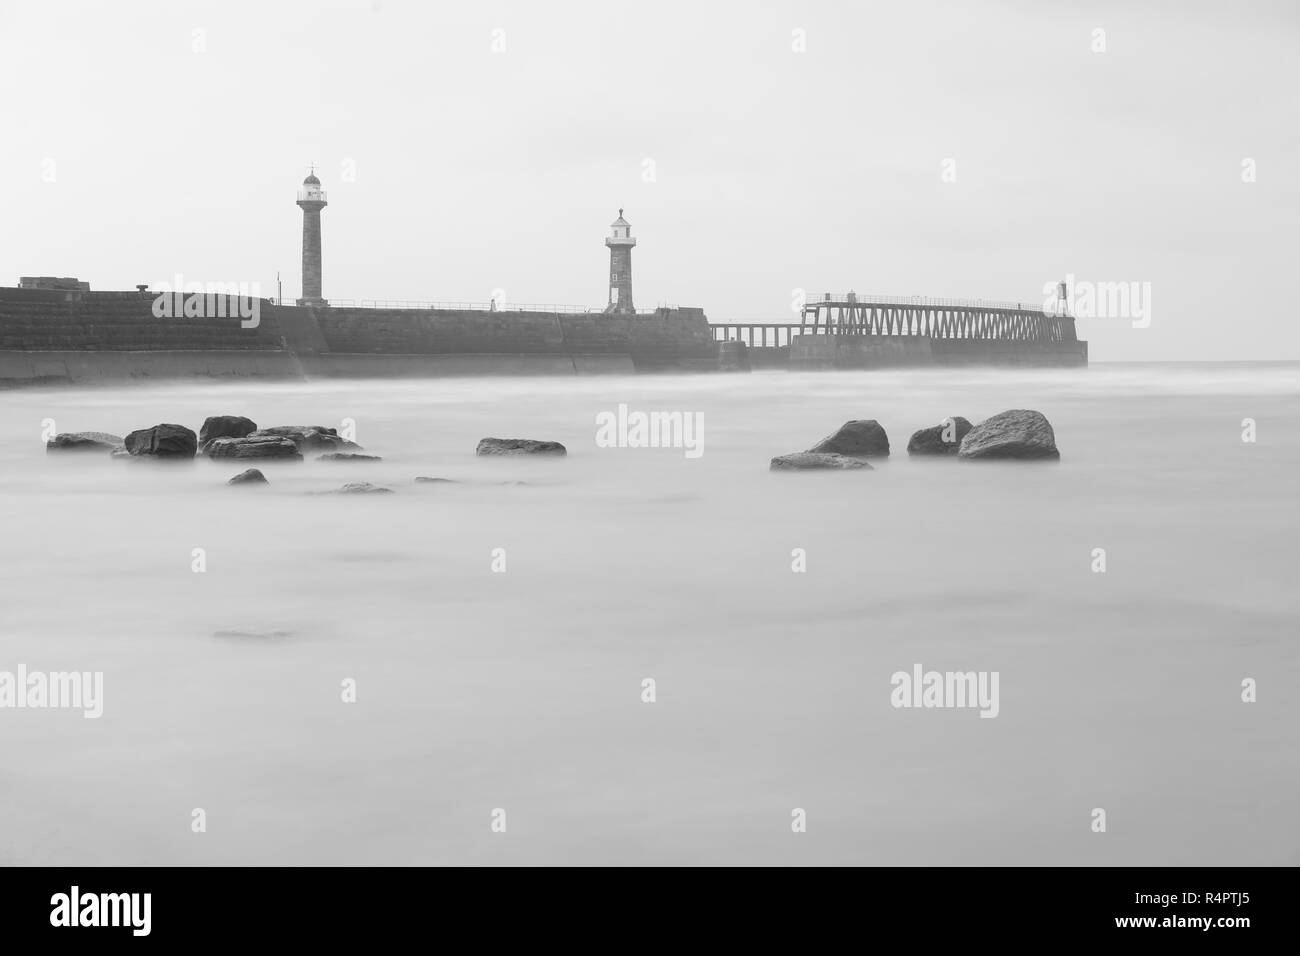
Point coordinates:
[(674, 434)]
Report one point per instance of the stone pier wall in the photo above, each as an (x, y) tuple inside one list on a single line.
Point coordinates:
[(56, 320), (76, 336)]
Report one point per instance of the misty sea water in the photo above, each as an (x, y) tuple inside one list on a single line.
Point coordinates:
[(478, 690)]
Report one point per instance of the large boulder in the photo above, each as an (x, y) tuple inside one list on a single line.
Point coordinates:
[(863, 438), (942, 439), (225, 426), (84, 441), (163, 441), (255, 446), (310, 437), (1018, 433), (250, 477), (519, 446), (816, 461)]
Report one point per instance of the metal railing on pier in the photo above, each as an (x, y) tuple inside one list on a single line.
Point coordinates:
[(925, 301), (757, 334), (464, 306)]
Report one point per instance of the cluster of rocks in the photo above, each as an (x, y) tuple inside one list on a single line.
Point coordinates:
[(1018, 434), (221, 437), (232, 436), (237, 438)]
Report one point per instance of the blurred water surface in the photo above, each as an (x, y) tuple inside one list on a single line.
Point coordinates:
[(522, 690)]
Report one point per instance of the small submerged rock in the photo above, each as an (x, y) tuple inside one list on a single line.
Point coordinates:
[(347, 456), (437, 481), (862, 438), (1018, 434), (84, 441), (359, 488), (943, 439), (250, 477), (519, 446), (298, 431), (252, 635), (163, 441), (816, 461), (254, 446)]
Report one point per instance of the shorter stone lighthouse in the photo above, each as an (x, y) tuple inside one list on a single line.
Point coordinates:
[(620, 245), (311, 198)]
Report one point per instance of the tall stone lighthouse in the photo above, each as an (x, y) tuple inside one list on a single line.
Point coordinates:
[(312, 200), (620, 245)]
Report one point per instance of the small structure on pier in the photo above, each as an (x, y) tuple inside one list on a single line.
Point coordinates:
[(53, 282)]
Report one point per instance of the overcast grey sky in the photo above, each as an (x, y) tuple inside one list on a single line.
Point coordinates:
[(135, 148)]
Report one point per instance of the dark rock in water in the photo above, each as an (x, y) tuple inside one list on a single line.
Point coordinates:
[(816, 461), (942, 439), (163, 441), (1018, 433), (84, 441), (254, 446), (225, 426), (347, 456), (250, 477), (360, 488), (519, 446), (863, 438), (440, 481), (310, 437)]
